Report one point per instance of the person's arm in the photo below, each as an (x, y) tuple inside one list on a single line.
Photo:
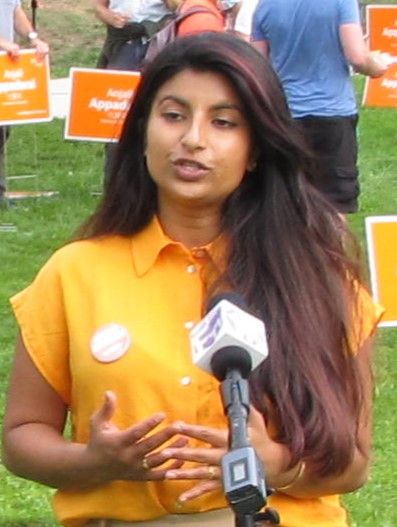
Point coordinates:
[(23, 27), (34, 447), (356, 474), (275, 456), (262, 46), (357, 53), (108, 16)]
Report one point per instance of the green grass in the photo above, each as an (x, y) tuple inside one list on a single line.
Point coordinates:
[(74, 169)]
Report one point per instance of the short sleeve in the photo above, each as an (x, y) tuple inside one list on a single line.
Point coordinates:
[(40, 314), (348, 12), (258, 23)]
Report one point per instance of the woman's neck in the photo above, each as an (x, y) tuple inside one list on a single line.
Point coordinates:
[(193, 228)]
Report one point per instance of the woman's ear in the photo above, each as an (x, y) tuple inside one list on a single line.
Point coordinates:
[(253, 160)]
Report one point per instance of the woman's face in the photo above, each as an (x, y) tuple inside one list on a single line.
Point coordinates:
[(198, 142)]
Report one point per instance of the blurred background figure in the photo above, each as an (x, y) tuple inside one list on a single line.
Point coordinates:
[(243, 21), (213, 20), (312, 45), (13, 19), (129, 26)]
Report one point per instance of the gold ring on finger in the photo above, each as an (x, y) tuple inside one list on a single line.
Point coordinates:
[(211, 473), (145, 464)]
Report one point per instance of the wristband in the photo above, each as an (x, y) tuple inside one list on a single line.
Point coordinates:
[(32, 35)]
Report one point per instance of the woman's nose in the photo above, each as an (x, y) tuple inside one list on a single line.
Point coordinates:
[(193, 136)]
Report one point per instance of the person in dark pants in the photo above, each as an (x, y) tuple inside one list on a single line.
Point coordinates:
[(312, 50)]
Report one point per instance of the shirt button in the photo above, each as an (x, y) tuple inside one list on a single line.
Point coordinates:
[(185, 381), (191, 269), (189, 324)]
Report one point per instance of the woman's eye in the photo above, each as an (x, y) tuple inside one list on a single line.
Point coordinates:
[(224, 123), (172, 115)]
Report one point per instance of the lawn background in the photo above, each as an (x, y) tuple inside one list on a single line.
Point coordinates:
[(32, 229)]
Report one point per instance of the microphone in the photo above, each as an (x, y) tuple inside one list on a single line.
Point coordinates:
[(227, 324), (229, 342)]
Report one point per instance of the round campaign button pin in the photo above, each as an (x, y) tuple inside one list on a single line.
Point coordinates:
[(110, 342)]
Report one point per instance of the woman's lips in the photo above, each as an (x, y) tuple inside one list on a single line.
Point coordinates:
[(190, 170)]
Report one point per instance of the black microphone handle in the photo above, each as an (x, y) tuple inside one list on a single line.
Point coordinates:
[(235, 398)]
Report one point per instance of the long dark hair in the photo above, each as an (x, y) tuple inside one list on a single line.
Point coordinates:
[(287, 254)]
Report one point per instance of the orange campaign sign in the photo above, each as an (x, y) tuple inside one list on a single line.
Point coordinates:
[(382, 33), (24, 89), (382, 252), (99, 101)]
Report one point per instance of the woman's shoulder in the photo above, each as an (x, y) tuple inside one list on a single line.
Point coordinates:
[(89, 252)]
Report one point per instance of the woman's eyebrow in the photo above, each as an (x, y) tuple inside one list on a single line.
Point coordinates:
[(173, 98), (226, 105)]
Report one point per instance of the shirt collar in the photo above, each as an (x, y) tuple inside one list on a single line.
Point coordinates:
[(148, 243)]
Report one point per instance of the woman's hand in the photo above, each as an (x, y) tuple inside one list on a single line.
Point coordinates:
[(275, 456), (208, 458), (130, 454)]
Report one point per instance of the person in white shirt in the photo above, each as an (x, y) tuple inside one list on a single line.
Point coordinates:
[(243, 21), (129, 26)]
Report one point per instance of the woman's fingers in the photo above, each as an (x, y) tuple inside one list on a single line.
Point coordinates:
[(199, 490), (136, 434), (213, 436), (105, 412), (159, 458), (205, 472), (206, 456)]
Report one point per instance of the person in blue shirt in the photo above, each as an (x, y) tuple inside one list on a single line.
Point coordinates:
[(312, 46)]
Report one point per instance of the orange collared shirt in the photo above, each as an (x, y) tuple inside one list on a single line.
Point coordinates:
[(152, 288)]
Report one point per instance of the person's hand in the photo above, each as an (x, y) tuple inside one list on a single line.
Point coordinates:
[(208, 458), (130, 454), (382, 63), (173, 5), (41, 47), (116, 19), (11, 48)]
